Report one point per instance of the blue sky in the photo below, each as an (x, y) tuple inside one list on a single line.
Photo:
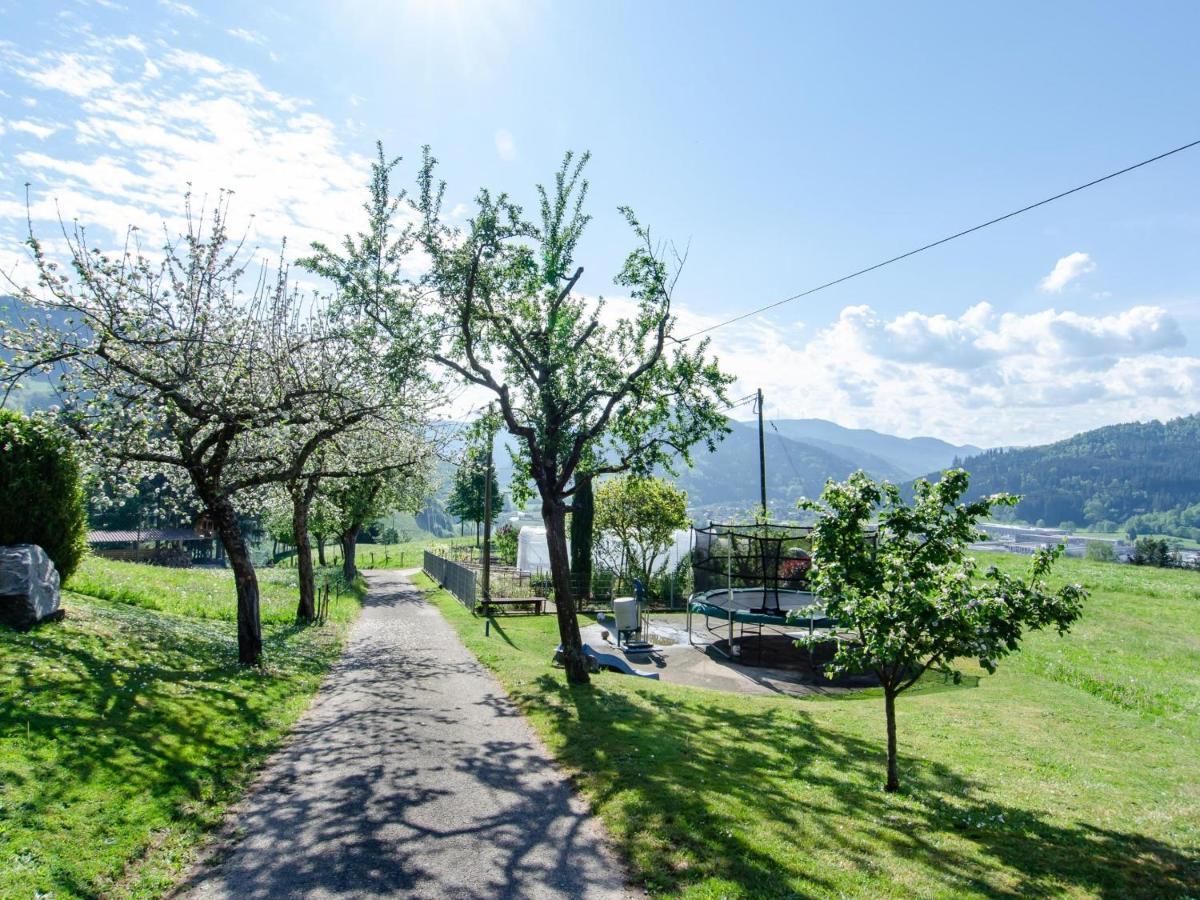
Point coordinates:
[(785, 144)]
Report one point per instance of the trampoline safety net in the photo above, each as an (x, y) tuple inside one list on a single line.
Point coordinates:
[(769, 557)]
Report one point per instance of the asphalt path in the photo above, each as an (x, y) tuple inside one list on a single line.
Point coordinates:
[(411, 775)]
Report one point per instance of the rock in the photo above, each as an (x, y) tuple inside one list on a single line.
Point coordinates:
[(29, 589)]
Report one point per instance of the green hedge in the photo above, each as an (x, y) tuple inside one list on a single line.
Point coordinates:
[(41, 499)]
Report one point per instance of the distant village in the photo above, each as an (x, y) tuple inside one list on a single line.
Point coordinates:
[(1027, 539)]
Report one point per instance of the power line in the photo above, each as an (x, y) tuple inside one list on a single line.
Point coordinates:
[(783, 447), (945, 240)]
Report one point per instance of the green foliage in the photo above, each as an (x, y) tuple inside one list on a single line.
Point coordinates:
[(572, 386), (357, 501), (1179, 521), (1149, 551), (374, 296), (1100, 551), (1142, 474), (41, 499), (1024, 784), (467, 490), (578, 389), (504, 544), (912, 597), (641, 514), (128, 729)]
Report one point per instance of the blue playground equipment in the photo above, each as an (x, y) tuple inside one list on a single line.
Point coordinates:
[(610, 661)]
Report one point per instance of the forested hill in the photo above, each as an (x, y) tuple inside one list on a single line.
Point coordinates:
[(1142, 475)]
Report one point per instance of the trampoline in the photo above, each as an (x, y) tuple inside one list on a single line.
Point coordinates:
[(752, 579)]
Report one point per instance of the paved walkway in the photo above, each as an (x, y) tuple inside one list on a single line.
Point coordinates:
[(412, 775)]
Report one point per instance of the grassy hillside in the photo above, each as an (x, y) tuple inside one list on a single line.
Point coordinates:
[(1137, 645), (1071, 772), (127, 728)]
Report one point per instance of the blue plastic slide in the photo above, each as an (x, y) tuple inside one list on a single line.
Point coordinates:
[(608, 661)]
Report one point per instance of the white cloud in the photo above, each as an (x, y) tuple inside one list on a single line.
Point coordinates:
[(245, 34), (181, 9), (39, 131), (67, 73), (194, 62), (1065, 271), (981, 377), (129, 42), (506, 146), (981, 336), (146, 126)]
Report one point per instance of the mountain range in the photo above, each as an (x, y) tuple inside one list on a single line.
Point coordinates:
[(1137, 477), (801, 455)]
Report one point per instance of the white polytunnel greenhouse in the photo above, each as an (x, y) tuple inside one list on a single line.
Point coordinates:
[(533, 555)]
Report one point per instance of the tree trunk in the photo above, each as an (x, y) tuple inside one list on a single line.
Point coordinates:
[(320, 539), (583, 513), (306, 610), (249, 625), (893, 768), (554, 516), (349, 539)]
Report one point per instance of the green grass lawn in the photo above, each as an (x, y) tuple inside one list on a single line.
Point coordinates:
[(1073, 771), (385, 556), (1137, 645), (127, 728)]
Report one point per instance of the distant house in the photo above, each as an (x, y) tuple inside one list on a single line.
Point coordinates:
[(178, 547)]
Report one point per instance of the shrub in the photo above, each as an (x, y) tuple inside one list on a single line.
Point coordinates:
[(504, 544), (43, 501), (1102, 551)]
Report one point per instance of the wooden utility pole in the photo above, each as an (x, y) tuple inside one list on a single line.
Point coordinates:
[(762, 457), (487, 520)]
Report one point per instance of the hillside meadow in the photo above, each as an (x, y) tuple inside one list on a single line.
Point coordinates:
[(128, 728), (1071, 772)]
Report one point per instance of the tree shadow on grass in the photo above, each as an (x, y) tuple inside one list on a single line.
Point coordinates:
[(499, 629), (138, 714), (696, 780)]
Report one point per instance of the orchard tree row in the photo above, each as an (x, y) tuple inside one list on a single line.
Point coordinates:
[(185, 362)]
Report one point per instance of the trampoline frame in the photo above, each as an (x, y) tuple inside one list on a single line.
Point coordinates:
[(698, 605), (760, 568)]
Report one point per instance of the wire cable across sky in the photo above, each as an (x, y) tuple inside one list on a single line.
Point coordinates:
[(945, 240)]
